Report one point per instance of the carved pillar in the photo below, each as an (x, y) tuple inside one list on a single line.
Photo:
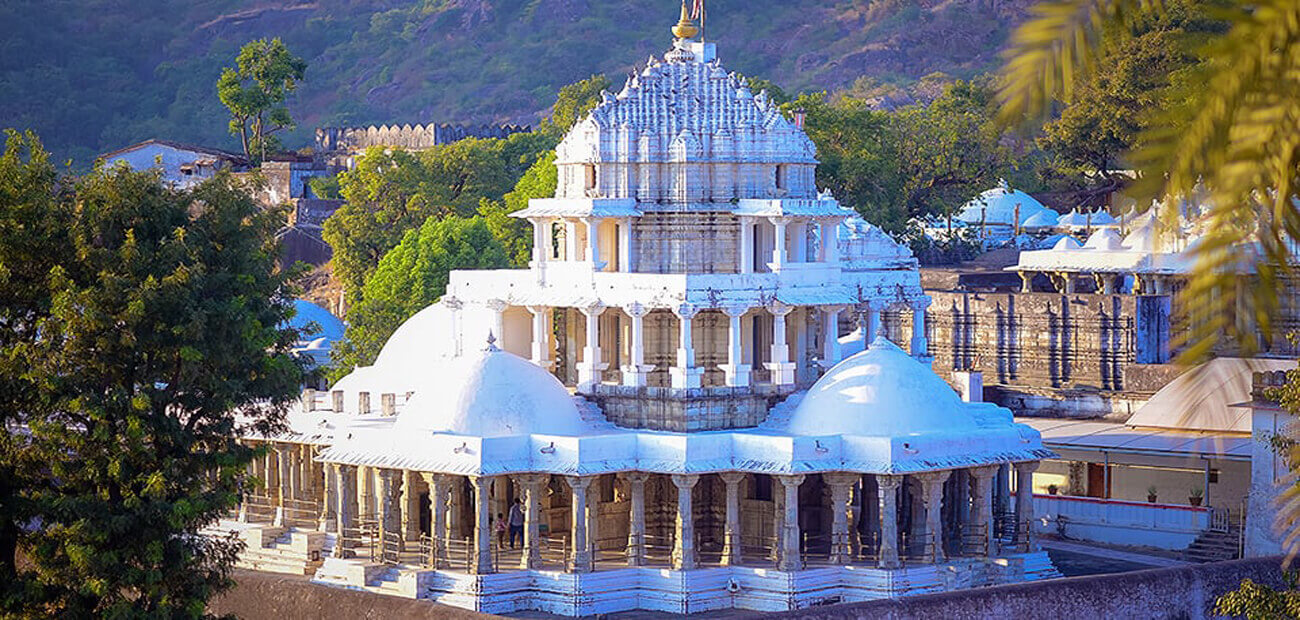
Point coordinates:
[(533, 485), (887, 486), (625, 245), (482, 525), (1026, 281), (840, 484), (347, 511), (781, 366), (580, 560), (920, 344), (570, 240), (831, 241), (746, 256), (542, 336), (778, 247), (932, 485), (589, 371), (438, 487), (791, 558), (390, 523), (593, 243), (636, 517), (329, 510), (1025, 505), (685, 375), (634, 374), (684, 546), (981, 497), (498, 308), (737, 371), (282, 483), (541, 241), (731, 541), (831, 336)]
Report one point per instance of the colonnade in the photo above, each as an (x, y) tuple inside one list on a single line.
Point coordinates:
[(790, 337), (1065, 282), (871, 516), (292, 488)]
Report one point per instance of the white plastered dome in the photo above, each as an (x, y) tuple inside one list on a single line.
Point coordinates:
[(881, 392), (492, 393)]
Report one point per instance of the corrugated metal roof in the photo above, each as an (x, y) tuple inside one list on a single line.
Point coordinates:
[(1062, 434)]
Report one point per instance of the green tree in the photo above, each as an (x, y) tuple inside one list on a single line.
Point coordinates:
[(255, 90), (156, 323), (411, 277), (573, 102), (1255, 601)]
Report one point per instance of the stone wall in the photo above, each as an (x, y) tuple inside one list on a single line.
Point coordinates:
[(1185, 592), (264, 595), (1048, 340), (334, 139)]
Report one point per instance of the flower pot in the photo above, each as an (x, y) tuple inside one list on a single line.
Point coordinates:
[(1195, 501), (1151, 498)]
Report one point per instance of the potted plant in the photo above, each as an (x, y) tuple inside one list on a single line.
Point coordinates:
[(1194, 496), (1151, 494), (1052, 489)]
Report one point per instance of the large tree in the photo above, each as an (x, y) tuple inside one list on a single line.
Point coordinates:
[(409, 278), (135, 337), (254, 91)]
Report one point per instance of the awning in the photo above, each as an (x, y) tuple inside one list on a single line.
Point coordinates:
[(1091, 435)]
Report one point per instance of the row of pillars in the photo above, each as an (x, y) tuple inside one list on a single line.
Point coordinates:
[(340, 515), (1064, 282)]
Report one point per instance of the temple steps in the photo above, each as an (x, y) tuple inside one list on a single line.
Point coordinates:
[(1214, 546), (290, 551)]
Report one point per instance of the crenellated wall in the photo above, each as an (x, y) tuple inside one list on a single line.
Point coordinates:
[(335, 139)]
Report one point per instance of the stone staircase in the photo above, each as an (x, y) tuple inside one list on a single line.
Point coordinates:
[(288, 551), (1214, 545)]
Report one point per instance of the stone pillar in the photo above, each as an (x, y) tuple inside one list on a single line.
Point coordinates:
[(580, 559), (932, 494), (636, 517), (282, 484), (781, 366), (1026, 281), (482, 564), (746, 256), (308, 400), (498, 308), (887, 486), (347, 510), (872, 328), (533, 487), (457, 339), (541, 336), (329, 510), (981, 497), (685, 375), (634, 374), (625, 245), (778, 247), (831, 242), (831, 336), (684, 545), (840, 484), (410, 507), (920, 344), (736, 369), (438, 486), (791, 559), (589, 370), (363, 403), (798, 231), (593, 243), (337, 401), (731, 541), (541, 241), (570, 240), (1025, 505), (390, 522)]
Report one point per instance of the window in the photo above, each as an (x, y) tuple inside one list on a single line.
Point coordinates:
[(762, 487), (590, 176), (781, 177)]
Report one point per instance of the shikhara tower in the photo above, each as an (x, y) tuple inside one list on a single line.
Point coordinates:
[(662, 390)]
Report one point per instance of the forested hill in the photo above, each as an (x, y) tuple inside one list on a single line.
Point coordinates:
[(92, 75)]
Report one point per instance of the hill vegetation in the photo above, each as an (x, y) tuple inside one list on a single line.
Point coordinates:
[(93, 75)]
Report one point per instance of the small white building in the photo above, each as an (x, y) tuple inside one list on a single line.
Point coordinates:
[(1001, 212), (182, 165)]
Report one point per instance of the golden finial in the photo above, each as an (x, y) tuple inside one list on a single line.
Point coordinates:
[(685, 28)]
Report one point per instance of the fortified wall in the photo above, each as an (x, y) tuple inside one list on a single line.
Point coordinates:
[(336, 139)]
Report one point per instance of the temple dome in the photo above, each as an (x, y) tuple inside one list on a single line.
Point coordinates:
[(998, 206), (881, 391), (1042, 219), (492, 393)]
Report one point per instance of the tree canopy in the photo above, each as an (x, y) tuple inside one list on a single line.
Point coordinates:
[(411, 277), (137, 320), (254, 92)]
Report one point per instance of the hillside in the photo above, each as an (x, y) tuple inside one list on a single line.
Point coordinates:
[(92, 75)]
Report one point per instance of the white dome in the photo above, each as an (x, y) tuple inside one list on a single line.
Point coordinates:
[(492, 393), (1101, 218), (1042, 219), (881, 392), (998, 206), (1073, 219), (1104, 239), (1067, 243)]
